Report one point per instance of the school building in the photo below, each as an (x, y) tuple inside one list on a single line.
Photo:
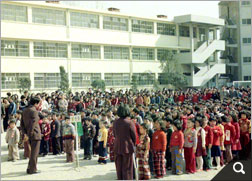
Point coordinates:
[(39, 37)]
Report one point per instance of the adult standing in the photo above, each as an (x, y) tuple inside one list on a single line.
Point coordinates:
[(2, 115), (125, 139), (30, 127), (12, 109)]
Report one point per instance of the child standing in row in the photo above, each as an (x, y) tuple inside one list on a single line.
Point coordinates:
[(222, 139), (68, 137), (102, 138), (158, 147), (229, 131), (176, 146), (236, 146), (217, 133), (201, 143), (45, 132), (190, 146), (12, 139), (169, 131), (209, 142), (245, 127), (142, 153)]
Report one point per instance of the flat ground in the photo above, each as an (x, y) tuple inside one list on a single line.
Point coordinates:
[(55, 168)]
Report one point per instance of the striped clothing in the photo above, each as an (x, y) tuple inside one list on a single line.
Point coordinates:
[(143, 164), (159, 163)]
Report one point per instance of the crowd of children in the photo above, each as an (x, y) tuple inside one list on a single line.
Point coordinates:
[(196, 129)]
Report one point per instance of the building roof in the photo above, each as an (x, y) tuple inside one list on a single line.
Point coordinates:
[(199, 20), (177, 19)]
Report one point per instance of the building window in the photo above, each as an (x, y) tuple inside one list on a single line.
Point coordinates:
[(45, 49), (84, 79), (194, 32), (117, 79), (245, 3), (166, 29), (246, 21), (84, 20), (247, 77), (116, 52), (202, 34), (163, 54), (246, 40), (85, 51), (48, 16), (14, 48), (144, 78), (11, 80), (162, 79), (115, 23), (143, 54), (13, 13), (46, 80), (142, 26), (246, 59), (184, 31)]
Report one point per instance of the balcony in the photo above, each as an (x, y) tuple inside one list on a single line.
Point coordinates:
[(230, 42), (230, 23)]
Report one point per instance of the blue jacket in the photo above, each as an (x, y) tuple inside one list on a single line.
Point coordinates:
[(12, 108)]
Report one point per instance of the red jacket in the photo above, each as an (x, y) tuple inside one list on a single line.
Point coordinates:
[(229, 130), (159, 141), (177, 139), (236, 144), (45, 130), (209, 95), (181, 98), (137, 133), (195, 98), (114, 101), (209, 135), (217, 133), (204, 97)]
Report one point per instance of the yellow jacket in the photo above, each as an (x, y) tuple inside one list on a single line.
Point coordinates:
[(103, 136)]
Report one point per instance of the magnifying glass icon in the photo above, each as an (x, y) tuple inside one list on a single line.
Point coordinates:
[(239, 170)]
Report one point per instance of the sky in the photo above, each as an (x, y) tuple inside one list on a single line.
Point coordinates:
[(153, 8)]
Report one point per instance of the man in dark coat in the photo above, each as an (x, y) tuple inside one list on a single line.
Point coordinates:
[(30, 127), (125, 139)]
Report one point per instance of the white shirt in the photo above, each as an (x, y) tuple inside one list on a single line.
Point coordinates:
[(45, 105), (203, 135)]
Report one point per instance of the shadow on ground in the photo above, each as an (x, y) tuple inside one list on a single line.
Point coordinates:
[(14, 174)]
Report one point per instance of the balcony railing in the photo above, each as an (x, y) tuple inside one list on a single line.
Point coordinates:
[(230, 22)]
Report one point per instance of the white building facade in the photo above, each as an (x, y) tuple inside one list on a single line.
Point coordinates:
[(38, 37), (237, 33)]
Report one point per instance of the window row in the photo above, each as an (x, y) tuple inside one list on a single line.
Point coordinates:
[(59, 50), (52, 80), (58, 17), (14, 48)]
